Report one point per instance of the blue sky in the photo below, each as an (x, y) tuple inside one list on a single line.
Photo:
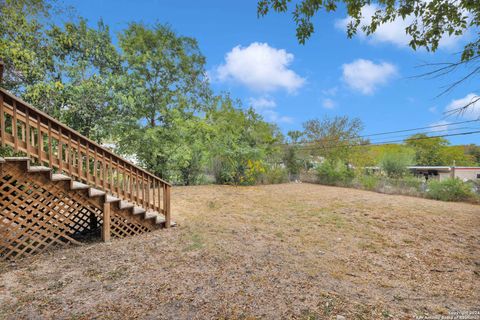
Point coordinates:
[(260, 62)]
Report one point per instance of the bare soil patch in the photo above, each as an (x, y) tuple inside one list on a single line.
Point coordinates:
[(297, 251)]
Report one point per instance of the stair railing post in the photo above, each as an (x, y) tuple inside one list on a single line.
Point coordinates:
[(106, 221), (167, 207)]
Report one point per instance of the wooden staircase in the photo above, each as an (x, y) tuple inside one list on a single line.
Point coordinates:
[(68, 187)]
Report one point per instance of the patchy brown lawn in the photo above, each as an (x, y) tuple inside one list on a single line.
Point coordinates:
[(282, 251)]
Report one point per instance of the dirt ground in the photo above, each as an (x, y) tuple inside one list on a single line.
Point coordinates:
[(286, 251)]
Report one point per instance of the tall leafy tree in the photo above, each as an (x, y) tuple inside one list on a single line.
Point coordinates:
[(65, 70), (241, 142), (24, 47), (165, 89), (79, 89), (427, 149), (332, 138)]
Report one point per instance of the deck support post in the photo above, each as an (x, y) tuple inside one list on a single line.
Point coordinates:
[(106, 222)]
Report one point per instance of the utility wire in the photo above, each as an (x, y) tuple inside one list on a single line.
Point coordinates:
[(428, 132), (405, 130), (313, 147), (422, 128)]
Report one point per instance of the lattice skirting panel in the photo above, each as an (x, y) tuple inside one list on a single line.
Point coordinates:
[(36, 215), (122, 227)]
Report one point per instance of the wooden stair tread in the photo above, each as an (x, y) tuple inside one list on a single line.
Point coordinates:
[(126, 205), (138, 210), (16, 158), (79, 186), (92, 192), (110, 198), (39, 169), (60, 177)]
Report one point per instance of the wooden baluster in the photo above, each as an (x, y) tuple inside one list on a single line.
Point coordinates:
[(79, 159), (50, 150), (137, 187), (60, 149), (87, 159), (122, 170), (104, 173), (151, 202), (70, 154), (22, 131), (14, 126), (40, 140), (153, 194), (96, 171), (143, 190), (27, 128), (118, 182), (166, 205), (130, 177), (2, 121), (159, 196), (112, 185)]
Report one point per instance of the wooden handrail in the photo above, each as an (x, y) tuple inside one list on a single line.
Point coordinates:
[(27, 129)]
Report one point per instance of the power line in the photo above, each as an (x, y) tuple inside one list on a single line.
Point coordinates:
[(313, 147), (436, 131), (422, 128), (408, 130)]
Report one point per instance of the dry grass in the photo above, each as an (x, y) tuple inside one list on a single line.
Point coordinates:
[(282, 251)]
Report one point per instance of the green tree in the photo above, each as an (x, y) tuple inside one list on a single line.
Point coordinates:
[(79, 88), (242, 142), (24, 47), (165, 88), (291, 157), (333, 138), (456, 155), (427, 149), (473, 151), (395, 164), (429, 20), (66, 71)]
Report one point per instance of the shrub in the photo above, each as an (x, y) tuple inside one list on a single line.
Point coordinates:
[(449, 190), (395, 164), (368, 182), (253, 171), (275, 175), (334, 173)]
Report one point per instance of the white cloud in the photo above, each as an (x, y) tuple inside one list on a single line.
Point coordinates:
[(266, 107), (328, 103), (439, 126), (392, 32), (261, 68), (330, 91), (432, 109), (473, 110), (365, 76), (273, 116), (262, 103)]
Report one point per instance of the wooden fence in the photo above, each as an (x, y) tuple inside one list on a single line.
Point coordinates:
[(51, 143)]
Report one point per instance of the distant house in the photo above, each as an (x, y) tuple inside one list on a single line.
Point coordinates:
[(441, 172), (445, 172)]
